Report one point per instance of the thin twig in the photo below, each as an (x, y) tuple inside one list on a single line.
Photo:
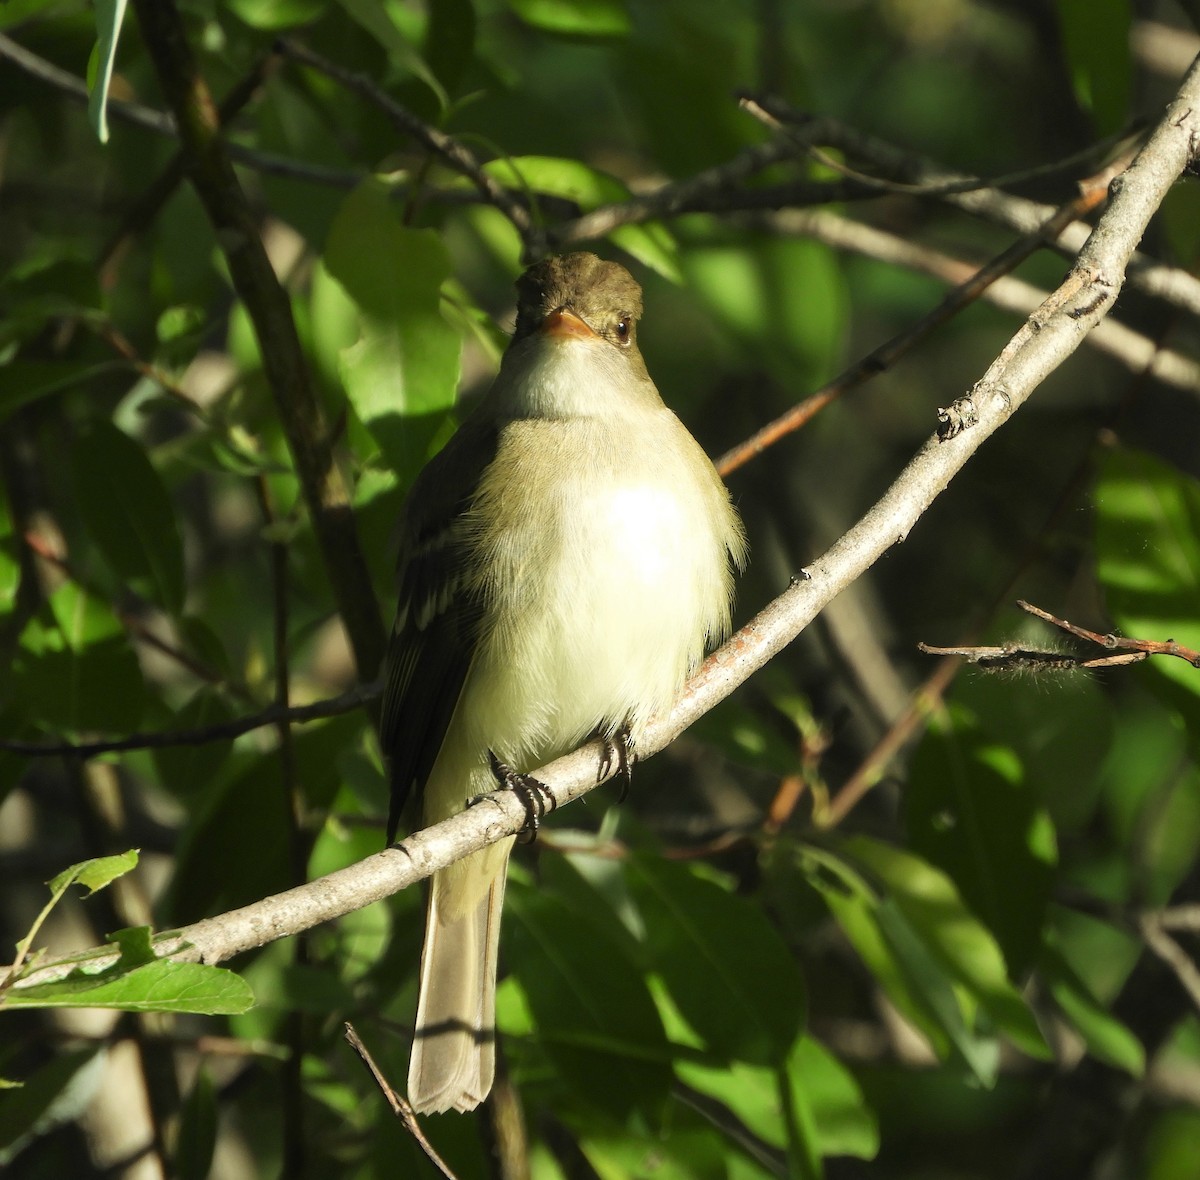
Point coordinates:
[(1020, 657), (1140, 647), (274, 714), (1115, 339), (888, 353), (1169, 283), (1180, 917), (161, 123), (446, 147), (806, 131), (1172, 954), (399, 1104)]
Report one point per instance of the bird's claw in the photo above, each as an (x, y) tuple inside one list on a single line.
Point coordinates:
[(534, 794), (618, 748)]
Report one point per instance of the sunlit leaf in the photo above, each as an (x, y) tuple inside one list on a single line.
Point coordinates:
[(969, 811), (109, 16), (1107, 1038), (594, 1015), (582, 18), (725, 965), (1147, 517), (400, 369), (76, 670), (161, 986)]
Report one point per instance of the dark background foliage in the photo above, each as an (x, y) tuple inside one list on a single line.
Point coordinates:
[(751, 968)]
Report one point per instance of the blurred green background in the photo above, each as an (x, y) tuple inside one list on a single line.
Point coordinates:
[(737, 973)]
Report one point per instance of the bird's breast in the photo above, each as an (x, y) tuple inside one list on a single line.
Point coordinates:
[(606, 586)]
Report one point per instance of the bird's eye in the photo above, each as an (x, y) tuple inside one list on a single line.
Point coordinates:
[(623, 330)]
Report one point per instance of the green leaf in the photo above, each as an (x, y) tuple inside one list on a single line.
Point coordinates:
[(97, 873), (128, 513), (22, 381), (969, 811), (185, 770), (855, 907), (593, 1012), (577, 18), (109, 16), (161, 986), (400, 366), (137, 982), (966, 950), (558, 176), (725, 965), (929, 978), (380, 21), (1105, 1036), (92, 875), (274, 15), (77, 671), (235, 849), (1096, 38), (844, 1124), (689, 1150), (785, 301), (1147, 517), (136, 945)]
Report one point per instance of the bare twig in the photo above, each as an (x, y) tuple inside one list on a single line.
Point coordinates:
[(399, 1104), (1139, 648), (805, 132), (1176, 286), (888, 353), (446, 147), (1128, 347), (274, 714), (1172, 954), (1180, 917), (161, 123), (1019, 657)]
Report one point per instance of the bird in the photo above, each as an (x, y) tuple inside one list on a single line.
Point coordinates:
[(565, 562)]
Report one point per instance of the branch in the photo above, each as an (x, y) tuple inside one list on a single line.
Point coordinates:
[(1137, 648), (1044, 342), (399, 1104), (1137, 352), (160, 123), (267, 302), (437, 142), (888, 353), (274, 714), (981, 200), (1182, 966)]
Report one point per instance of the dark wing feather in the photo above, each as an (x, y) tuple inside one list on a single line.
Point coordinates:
[(437, 621)]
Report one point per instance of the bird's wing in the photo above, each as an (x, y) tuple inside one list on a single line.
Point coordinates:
[(437, 619)]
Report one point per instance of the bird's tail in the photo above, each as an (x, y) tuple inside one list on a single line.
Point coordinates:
[(454, 1046)]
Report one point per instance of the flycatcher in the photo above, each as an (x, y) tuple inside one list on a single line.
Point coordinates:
[(565, 562)]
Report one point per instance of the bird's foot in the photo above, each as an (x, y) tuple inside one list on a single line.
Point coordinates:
[(533, 794), (618, 749)]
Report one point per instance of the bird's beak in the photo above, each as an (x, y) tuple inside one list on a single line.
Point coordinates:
[(564, 324)]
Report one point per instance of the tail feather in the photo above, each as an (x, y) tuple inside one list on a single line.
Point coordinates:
[(454, 1047)]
